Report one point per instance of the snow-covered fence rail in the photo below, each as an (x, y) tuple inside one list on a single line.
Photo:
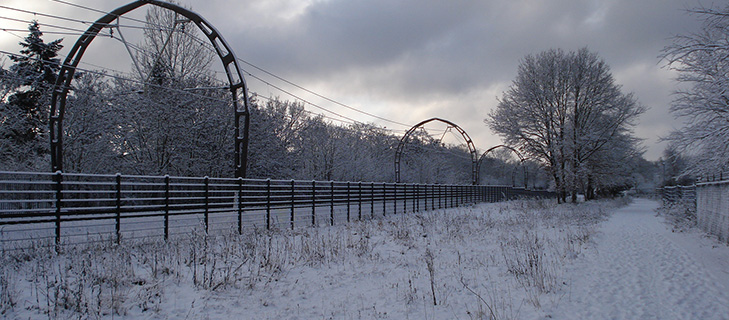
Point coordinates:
[(673, 195), (78, 207), (709, 201), (712, 208)]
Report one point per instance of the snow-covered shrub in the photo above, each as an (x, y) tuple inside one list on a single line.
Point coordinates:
[(530, 258), (484, 262), (681, 215), (7, 291)]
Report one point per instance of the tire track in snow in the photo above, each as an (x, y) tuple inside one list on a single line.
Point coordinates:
[(640, 270)]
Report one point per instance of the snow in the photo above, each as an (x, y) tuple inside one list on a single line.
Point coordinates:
[(640, 269), (514, 260)]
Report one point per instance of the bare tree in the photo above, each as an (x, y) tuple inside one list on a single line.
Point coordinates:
[(563, 109), (702, 62), (173, 120)]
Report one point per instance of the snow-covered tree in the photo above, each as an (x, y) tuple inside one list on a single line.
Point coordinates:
[(89, 128), (701, 60), (675, 167), (24, 110), (564, 109), (171, 119)]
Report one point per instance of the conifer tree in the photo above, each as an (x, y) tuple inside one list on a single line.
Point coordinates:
[(24, 115)]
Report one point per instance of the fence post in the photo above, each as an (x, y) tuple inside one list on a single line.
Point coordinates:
[(394, 196), (59, 196), (372, 200), (167, 206), (384, 198), (268, 204), (240, 205), (292, 203), (118, 208), (207, 201), (459, 193), (414, 197), (432, 197), (348, 201), (359, 201), (451, 195), (425, 197), (331, 202), (463, 196), (313, 203)]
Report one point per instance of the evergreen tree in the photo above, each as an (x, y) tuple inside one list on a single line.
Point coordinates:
[(24, 114)]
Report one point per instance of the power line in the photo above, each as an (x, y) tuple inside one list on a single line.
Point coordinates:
[(260, 69), (45, 15), (321, 96), (77, 32), (117, 77), (209, 47), (248, 73)]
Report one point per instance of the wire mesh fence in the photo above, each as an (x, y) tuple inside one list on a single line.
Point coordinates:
[(709, 201), (69, 208)]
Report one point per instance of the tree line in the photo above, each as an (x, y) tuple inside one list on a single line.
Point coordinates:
[(170, 117)]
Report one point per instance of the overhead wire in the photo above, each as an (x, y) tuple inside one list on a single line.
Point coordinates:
[(117, 77), (321, 96), (74, 32), (209, 47), (260, 69), (348, 120)]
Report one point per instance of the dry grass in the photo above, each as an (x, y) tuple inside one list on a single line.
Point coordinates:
[(484, 261)]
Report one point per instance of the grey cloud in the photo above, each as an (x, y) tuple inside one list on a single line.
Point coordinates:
[(425, 58)]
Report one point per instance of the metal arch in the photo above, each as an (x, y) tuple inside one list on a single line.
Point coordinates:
[(518, 154), (469, 142), (227, 57)]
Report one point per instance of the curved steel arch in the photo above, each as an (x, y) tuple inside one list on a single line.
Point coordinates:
[(469, 142), (518, 154), (227, 57)]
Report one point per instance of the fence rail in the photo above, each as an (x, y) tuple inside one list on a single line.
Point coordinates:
[(673, 195), (709, 201), (59, 205)]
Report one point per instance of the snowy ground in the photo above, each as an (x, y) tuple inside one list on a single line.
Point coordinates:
[(640, 269), (515, 260)]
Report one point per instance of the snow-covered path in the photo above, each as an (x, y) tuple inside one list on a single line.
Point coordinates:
[(640, 269)]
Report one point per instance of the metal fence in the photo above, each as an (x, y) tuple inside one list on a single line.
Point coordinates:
[(673, 195), (708, 200), (712, 208), (79, 207)]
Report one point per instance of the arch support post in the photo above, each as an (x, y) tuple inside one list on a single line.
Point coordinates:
[(483, 156), (238, 88), (469, 143)]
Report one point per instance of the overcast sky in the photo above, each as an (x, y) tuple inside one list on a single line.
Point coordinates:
[(416, 59)]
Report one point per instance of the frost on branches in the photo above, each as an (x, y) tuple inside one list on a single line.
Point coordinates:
[(702, 62), (565, 110)]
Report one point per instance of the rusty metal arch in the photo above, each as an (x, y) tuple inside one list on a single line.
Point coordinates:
[(469, 142), (227, 57), (518, 154)]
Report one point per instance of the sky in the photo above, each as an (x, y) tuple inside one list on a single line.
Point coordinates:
[(412, 60)]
